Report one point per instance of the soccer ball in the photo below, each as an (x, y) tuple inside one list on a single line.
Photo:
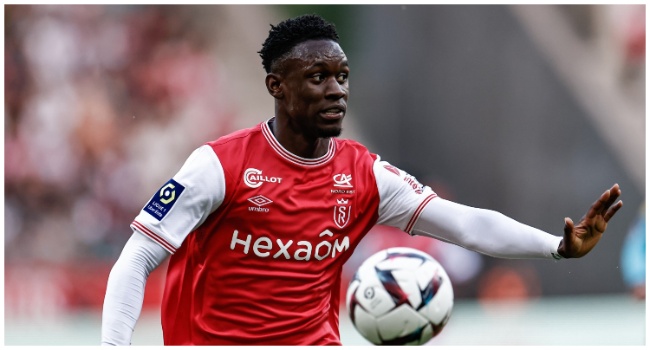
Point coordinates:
[(400, 296)]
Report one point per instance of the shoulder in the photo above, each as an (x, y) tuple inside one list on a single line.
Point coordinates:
[(236, 138), (352, 147), (235, 149)]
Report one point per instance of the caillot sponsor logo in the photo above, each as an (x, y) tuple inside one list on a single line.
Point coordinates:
[(254, 178)]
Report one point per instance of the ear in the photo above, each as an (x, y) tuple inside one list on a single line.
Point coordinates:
[(274, 86)]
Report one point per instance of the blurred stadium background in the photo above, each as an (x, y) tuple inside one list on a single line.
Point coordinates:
[(532, 111)]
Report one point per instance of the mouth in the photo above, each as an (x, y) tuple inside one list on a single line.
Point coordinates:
[(333, 113)]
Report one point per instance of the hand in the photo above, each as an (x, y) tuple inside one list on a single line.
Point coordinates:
[(580, 239)]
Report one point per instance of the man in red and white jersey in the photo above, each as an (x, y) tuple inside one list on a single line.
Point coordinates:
[(259, 223)]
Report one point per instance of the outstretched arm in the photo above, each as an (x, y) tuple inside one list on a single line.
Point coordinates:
[(484, 231), (580, 239), (494, 234), (125, 289)]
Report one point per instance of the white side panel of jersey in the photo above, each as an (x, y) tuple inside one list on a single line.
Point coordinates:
[(401, 196), (204, 188)]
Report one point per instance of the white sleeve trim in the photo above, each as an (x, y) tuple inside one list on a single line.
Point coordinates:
[(204, 188), (125, 288), (401, 197), (484, 231)]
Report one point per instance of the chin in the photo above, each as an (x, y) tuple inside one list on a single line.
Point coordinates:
[(330, 132)]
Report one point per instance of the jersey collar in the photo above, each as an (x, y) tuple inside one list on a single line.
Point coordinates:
[(273, 142)]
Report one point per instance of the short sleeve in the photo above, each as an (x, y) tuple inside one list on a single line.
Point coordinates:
[(401, 197), (185, 201)]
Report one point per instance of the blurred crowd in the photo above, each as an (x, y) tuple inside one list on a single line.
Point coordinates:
[(102, 105)]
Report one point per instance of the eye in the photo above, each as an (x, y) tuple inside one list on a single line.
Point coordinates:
[(318, 77), (342, 78)]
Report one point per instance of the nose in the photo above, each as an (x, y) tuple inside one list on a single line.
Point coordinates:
[(335, 90)]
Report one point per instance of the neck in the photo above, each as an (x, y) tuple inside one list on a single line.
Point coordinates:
[(298, 143)]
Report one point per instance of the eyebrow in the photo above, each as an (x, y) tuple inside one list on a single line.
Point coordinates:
[(321, 63)]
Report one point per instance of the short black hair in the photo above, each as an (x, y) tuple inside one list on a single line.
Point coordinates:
[(291, 32)]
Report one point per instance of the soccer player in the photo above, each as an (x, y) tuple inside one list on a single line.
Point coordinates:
[(258, 224)]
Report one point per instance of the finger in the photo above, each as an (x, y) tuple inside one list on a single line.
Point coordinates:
[(614, 193), (604, 202), (599, 205), (612, 210), (568, 227)]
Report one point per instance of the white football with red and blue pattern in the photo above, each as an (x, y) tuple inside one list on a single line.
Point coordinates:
[(400, 296)]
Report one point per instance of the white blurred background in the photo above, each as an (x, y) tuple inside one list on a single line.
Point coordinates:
[(529, 110)]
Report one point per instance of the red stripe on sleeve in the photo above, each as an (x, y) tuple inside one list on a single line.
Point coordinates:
[(146, 231), (417, 213)]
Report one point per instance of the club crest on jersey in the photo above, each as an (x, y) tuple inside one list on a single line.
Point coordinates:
[(164, 199), (253, 178), (392, 169), (342, 212)]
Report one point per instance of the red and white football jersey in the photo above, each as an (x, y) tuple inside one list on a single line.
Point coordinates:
[(259, 237)]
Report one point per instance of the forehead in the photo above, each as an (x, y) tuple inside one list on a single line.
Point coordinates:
[(317, 50)]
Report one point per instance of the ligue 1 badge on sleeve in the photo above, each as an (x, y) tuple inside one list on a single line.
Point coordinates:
[(164, 199)]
